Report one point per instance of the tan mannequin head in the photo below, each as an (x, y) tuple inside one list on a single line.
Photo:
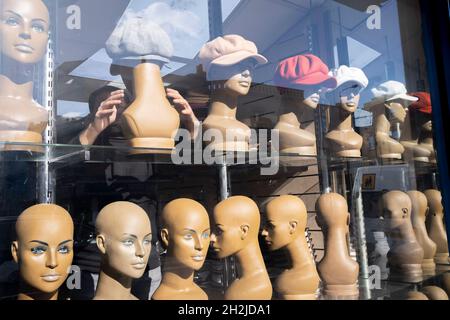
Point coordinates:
[(396, 208), (124, 238), (434, 293), (286, 221), (332, 210), (434, 199), (236, 225), (44, 247), (419, 204), (186, 232), (24, 30)]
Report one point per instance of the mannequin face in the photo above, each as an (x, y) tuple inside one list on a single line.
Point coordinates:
[(397, 111), (226, 237), (428, 126), (44, 250), (279, 231), (24, 30), (396, 208), (349, 97), (126, 246), (235, 79), (188, 239), (312, 96)]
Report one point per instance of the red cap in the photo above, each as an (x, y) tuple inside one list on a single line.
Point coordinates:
[(423, 104), (303, 70)]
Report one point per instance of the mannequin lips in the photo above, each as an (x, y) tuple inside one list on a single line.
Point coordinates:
[(198, 258), (51, 277), (25, 48), (139, 265), (245, 84)]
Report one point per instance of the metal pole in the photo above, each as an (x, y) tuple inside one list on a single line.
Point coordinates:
[(215, 18), (45, 179)]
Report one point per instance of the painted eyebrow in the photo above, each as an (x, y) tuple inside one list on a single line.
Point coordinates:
[(40, 242), (131, 235), (209, 229), (14, 13), (64, 242)]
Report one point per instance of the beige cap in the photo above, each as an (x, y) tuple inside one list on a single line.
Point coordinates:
[(228, 50)]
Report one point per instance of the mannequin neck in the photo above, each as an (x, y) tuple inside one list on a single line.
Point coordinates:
[(28, 293), (250, 260), (223, 104), (147, 81), (293, 107), (426, 137), (112, 285), (336, 242), (12, 89), (403, 232), (343, 121), (383, 125), (299, 252), (176, 275)]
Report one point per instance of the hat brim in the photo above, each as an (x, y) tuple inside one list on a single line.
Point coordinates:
[(403, 96), (126, 61), (351, 80), (237, 57)]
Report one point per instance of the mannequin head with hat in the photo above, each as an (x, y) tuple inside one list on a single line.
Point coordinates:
[(302, 78), (229, 62), (421, 114)]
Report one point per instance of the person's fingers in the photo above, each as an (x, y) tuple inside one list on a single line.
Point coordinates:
[(116, 96), (108, 104), (102, 113), (117, 92)]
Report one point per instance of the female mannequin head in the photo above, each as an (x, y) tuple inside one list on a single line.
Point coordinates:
[(24, 30)]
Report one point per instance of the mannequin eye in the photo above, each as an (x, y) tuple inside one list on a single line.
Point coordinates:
[(38, 250), (128, 242), (64, 250), (38, 27), (188, 236), (218, 232), (12, 21), (147, 242), (205, 235)]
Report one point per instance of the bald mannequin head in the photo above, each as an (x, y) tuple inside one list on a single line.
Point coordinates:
[(332, 211), (286, 221), (124, 238), (434, 199), (419, 205), (236, 225), (32, 16), (396, 208), (44, 246), (186, 232)]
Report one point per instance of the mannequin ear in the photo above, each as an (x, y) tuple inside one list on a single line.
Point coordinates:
[(244, 231), (165, 237), (15, 251), (292, 226), (101, 243)]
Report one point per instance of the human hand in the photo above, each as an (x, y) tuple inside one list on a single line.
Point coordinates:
[(107, 112), (183, 107)]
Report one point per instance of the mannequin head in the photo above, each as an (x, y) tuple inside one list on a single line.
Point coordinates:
[(236, 225), (186, 232), (286, 221), (24, 30), (332, 211), (419, 204), (44, 246), (434, 199), (235, 80), (124, 238), (396, 208)]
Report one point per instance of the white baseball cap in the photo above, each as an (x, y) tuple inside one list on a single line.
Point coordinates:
[(345, 74), (392, 90)]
